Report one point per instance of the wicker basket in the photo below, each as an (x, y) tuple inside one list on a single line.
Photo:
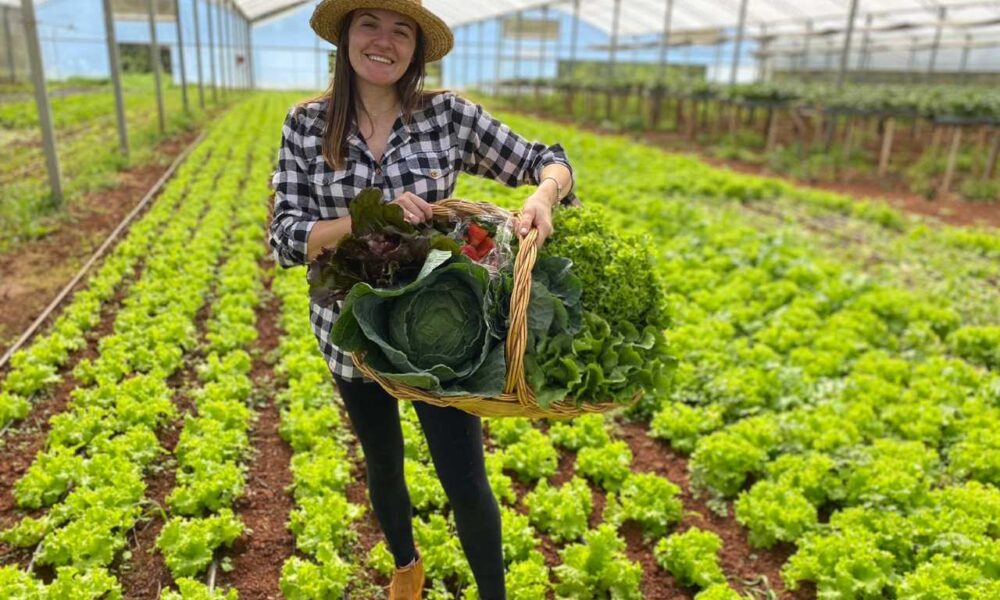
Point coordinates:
[(517, 399)]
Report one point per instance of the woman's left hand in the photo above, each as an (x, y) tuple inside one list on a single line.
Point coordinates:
[(537, 213)]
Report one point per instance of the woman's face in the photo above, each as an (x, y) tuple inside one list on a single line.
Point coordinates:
[(381, 45)]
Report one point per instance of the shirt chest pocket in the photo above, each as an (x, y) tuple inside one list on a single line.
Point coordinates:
[(334, 188), (431, 175)]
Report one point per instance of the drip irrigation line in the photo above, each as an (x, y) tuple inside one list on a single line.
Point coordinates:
[(112, 237), (34, 556), (211, 575)]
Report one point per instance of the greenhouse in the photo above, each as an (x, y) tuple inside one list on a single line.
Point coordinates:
[(588, 299)]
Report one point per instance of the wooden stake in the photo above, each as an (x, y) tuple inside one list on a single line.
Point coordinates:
[(883, 159), (949, 171), (657, 109), (692, 122), (991, 162), (936, 139), (772, 129), (848, 139)]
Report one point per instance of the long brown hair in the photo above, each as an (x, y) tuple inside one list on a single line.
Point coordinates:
[(342, 95)]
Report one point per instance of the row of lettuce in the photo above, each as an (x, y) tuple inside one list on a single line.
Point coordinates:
[(87, 487), (214, 448), (806, 388), (936, 102)]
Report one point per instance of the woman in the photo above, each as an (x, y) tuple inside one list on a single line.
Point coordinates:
[(375, 127)]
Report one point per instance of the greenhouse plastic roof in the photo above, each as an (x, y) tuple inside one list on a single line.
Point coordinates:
[(640, 17), (787, 19)]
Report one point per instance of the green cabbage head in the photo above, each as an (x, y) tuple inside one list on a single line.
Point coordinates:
[(433, 333)]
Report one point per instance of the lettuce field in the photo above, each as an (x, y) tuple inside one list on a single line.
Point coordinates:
[(831, 428)]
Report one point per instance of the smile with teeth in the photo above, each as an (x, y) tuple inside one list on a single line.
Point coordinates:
[(379, 59)]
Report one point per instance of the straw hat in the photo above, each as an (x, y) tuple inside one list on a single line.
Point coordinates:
[(329, 14)]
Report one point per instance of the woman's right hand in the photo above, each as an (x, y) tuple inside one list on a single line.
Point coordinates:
[(415, 209)]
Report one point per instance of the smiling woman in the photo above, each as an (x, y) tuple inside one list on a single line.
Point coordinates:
[(375, 127)]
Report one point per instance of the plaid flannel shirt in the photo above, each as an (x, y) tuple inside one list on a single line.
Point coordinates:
[(423, 157)]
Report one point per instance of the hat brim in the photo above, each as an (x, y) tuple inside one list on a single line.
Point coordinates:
[(329, 15)]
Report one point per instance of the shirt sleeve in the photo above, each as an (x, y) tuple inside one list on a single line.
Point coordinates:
[(295, 208), (491, 149)]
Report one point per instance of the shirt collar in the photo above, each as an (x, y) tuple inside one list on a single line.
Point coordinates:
[(431, 118)]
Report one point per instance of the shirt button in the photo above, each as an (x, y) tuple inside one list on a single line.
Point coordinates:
[(435, 173), (378, 170)]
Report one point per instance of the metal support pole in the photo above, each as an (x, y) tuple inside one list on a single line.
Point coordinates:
[(718, 58), (154, 55), (42, 99), (964, 64), (762, 64), (738, 46), (942, 11), (197, 54), (238, 35), (498, 59), (234, 76), (806, 46), (543, 44), (480, 69), (574, 38), (866, 40), (665, 41), (234, 23), (9, 41), (319, 83), (116, 78), (517, 52), (253, 80), (846, 51), (466, 56), (211, 53), (222, 49), (242, 26), (227, 45), (613, 49), (180, 52)]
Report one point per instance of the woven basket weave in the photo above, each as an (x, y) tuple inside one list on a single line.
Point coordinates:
[(517, 399)]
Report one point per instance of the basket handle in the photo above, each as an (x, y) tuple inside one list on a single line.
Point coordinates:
[(517, 332)]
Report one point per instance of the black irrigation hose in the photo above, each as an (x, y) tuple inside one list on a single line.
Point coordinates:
[(112, 237)]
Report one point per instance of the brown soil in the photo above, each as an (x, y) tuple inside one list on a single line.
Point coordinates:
[(35, 272), (657, 584), (24, 440), (259, 554), (741, 562), (951, 210), (145, 573), (367, 527)]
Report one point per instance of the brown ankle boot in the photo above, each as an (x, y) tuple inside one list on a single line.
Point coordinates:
[(408, 582)]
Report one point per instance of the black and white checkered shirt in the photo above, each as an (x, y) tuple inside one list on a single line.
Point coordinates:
[(423, 157)]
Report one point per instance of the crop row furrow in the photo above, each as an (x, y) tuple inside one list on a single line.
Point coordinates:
[(92, 473), (35, 369), (214, 445)]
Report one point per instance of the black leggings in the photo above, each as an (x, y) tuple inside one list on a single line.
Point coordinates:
[(455, 441)]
